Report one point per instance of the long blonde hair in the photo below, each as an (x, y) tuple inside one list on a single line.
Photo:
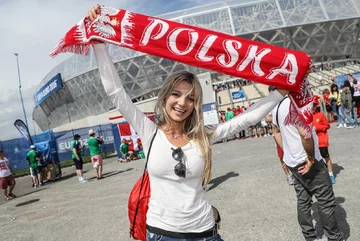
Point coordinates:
[(193, 125)]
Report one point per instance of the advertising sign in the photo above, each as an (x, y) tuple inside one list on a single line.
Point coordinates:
[(48, 89), (237, 95)]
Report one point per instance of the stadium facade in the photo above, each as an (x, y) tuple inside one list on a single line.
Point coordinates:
[(325, 29)]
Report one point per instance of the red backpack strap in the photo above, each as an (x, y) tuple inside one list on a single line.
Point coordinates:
[(142, 182)]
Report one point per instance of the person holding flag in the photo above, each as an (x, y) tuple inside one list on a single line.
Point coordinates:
[(180, 159)]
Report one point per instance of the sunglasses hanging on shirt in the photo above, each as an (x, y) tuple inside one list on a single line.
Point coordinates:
[(178, 155)]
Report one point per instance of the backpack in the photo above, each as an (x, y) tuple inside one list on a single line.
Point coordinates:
[(139, 202), (346, 97)]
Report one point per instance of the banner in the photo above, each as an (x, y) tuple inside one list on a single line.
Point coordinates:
[(24, 131), (48, 89), (237, 95), (129, 134)]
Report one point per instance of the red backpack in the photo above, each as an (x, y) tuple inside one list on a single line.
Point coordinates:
[(138, 202)]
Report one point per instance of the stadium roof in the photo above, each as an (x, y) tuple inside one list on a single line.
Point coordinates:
[(236, 17)]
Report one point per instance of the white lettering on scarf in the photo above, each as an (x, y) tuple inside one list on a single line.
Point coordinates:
[(171, 41), (253, 57), (231, 53), (148, 32), (291, 73), (205, 46)]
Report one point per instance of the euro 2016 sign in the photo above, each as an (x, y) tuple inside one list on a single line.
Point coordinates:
[(237, 94), (48, 89)]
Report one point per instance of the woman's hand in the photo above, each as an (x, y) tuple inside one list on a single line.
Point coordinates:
[(93, 12), (283, 92)]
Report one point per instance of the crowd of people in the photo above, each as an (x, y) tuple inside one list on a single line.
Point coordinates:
[(343, 104), (230, 84)]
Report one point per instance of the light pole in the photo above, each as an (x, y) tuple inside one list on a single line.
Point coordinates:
[(22, 101)]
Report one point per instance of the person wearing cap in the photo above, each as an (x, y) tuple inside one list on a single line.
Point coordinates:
[(289, 178), (321, 125), (33, 158), (76, 156), (95, 154), (6, 177)]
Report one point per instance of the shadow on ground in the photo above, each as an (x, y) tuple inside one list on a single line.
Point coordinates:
[(113, 173), (340, 217), (337, 169), (218, 180), (27, 202)]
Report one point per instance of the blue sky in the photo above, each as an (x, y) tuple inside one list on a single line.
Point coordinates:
[(32, 28)]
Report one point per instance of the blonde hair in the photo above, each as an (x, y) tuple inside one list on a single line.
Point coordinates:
[(193, 125)]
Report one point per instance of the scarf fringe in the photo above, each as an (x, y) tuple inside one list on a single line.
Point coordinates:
[(293, 118), (76, 49)]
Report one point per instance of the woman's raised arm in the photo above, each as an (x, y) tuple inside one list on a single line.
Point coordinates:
[(249, 118), (114, 88)]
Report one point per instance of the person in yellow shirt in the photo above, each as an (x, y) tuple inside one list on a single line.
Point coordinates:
[(335, 101)]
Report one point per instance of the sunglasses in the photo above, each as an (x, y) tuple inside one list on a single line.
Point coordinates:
[(178, 155)]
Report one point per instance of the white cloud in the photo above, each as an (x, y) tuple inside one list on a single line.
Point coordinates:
[(32, 28)]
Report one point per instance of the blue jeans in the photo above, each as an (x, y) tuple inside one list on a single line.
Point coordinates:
[(340, 114), (354, 112), (156, 237), (348, 117)]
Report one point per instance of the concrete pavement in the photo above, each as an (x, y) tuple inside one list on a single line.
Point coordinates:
[(248, 188)]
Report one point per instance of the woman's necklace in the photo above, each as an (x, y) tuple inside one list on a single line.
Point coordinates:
[(175, 137)]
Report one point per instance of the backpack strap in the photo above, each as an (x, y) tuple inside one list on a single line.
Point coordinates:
[(151, 142), (142, 182), (277, 113)]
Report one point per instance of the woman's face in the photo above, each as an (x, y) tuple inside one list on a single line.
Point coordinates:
[(181, 102)]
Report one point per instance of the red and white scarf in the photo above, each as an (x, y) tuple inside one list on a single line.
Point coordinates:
[(259, 62)]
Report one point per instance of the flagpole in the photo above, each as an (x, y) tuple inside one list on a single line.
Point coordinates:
[(22, 101)]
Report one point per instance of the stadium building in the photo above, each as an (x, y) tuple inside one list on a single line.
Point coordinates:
[(72, 96)]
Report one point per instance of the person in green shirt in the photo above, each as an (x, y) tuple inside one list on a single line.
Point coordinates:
[(229, 114), (76, 156), (32, 158), (95, 153), (124, 150)]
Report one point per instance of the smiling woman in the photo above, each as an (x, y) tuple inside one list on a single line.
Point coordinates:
[(180, 159)]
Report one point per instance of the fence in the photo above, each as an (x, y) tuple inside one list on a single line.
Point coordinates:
[(58, 144)]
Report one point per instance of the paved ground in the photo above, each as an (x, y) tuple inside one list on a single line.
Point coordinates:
[(248, 188)]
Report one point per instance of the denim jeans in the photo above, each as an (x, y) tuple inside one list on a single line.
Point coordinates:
[(348, 117), (156, 237), (354, 112), (340, 114)]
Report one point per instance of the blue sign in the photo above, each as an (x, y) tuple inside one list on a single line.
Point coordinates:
[(238, 94), (48, 89)]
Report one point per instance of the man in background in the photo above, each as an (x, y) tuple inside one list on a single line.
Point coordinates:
[(303, 158), (95, 153), (33, 159), (76, 156), (6, 177)]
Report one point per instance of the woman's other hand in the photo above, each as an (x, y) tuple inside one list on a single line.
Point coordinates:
[(93, 12)]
